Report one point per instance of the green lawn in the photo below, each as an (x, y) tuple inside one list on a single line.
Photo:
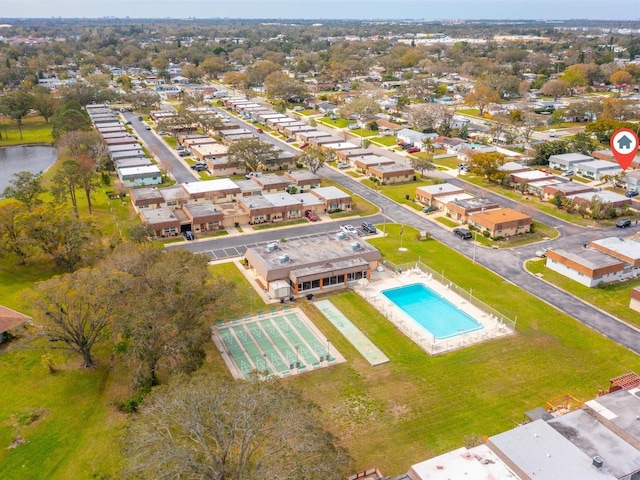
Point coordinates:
[(384, 141), (417, 406), (612, 298), (398, 193), (447, 222), (338, 123), (34, 130), (76, 429)]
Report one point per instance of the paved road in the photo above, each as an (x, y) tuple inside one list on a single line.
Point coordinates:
[(507, 263), (165, 156)]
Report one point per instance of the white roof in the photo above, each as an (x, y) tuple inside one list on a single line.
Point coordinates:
[(629, 248), (531, 175), (340, 145), (454, 197), (150, 169), (329, 192), (282, 199), (604, 195), (440, 188), (599, 165), (209, 186), (478, 463)]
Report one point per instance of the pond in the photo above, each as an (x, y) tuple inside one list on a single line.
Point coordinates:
[(34, 159)]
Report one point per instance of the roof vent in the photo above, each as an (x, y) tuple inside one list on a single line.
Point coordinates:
[(355, 246), (284, 258), (272, 247), (598, 462), (341, 236)]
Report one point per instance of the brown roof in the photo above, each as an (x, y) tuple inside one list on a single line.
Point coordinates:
[(10, 319)]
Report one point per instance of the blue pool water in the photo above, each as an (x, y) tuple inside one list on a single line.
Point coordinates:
[(434, 313)]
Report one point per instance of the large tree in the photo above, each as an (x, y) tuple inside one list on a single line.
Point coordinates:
[(252, 153), (282, 87), (482, 96), (61, 235), (76, 310), (25, 187), (12, 230), (315, 157), (555, 88), (70, 117), (165, 314), (17, 105), (44, 102), (488, 165), (215, 428)]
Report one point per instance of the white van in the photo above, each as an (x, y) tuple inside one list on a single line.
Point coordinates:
[(552, 133)]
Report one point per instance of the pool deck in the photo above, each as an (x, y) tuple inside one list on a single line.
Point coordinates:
[(380, 281)]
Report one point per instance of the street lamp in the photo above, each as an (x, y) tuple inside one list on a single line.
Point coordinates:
[(297, 357), (328, 356)]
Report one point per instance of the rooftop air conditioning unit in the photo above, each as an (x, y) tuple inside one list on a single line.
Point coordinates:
[(284, 258), (598, 462), (341, 235), (355, 246), (272, 247)]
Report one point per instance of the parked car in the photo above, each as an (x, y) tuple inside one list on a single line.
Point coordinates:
[(623, 223), (199, 167), (290, 140), (189, 235), (463, 233), (259, 130), (343, 165), (631, 193), (568, 173), (184, 153), (298, 108), (429, 209), (369, 227), (542, 252), (304, 145), (180, 148), (413, 150), (311, 215), (147, 127), (140, 118), (348, 229)]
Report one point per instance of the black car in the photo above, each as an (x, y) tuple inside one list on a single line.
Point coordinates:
[(623, 223), (369, 227), (463, 233), (189, 235)]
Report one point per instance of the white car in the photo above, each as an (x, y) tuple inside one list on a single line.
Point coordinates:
[(542, 253), (349, 229)]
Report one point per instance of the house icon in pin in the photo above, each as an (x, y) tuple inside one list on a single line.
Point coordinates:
[(624, 142)]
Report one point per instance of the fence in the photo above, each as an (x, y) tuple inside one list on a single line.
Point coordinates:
[(466, 294)]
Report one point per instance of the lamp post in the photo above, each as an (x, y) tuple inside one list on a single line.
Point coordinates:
[(328, 356), (297, 357)]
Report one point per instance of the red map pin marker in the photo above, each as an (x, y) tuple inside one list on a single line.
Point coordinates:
[(624, 145)]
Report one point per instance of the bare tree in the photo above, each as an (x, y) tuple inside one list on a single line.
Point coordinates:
[(213, 427), (315, 157)]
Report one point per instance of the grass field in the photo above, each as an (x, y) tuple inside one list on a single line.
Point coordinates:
[(34, 130)]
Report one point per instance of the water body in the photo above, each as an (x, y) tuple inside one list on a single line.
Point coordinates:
[(34, 159)]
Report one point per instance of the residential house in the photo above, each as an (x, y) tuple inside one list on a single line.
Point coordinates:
[(204, 217), (596, 169), (414, 137), (365, 163), (271, 183), (140, 176), (333, 198), (604, 196), (565, 189), (501, 222), (427, 194), (391, 173), (209, 151), (162, 221), (221, 190), (568, 161), (304, 180), (461, 208)]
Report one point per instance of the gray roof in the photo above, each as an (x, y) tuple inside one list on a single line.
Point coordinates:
[(622, 409), (570, 158), (542, 453), (588, 257), (629, 248), (440, 189), (593, 438)]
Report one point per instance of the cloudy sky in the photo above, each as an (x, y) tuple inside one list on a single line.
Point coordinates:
[(329, 9)]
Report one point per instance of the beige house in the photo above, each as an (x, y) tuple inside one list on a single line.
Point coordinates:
[(391, 173)]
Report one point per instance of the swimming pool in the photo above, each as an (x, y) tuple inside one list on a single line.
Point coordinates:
[(428, 309)]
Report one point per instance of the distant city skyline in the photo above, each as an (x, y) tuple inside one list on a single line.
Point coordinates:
[(329, 9)]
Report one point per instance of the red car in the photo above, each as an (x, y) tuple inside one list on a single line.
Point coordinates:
[(304, 145), (311, 215), (413, 150), (259, 130)]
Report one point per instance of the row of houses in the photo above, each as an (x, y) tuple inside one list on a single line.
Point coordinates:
[(482, 213), (133, 167), (222, 203)]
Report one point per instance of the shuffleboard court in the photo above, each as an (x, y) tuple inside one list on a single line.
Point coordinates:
[(352, 333), (281, 343)]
